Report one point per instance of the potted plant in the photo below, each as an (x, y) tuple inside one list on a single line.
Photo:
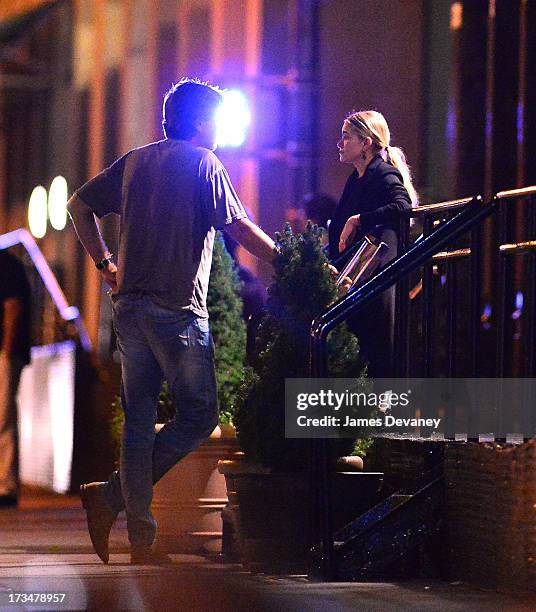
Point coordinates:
[(267, 486)]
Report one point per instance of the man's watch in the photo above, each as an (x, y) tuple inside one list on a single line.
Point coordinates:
[(104, 263)]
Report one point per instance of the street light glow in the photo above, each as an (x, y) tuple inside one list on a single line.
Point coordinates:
[(37, 212), (57, 203), (233, 119)]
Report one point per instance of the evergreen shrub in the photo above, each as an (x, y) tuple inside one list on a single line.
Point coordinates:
[(302, 289)]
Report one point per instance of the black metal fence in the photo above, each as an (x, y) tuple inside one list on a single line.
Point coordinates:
[(470, 310), (454, 310)]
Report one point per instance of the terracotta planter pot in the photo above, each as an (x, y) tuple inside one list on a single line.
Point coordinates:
[(188, 500), (266, 522)]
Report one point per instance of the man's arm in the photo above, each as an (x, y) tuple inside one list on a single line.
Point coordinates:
[(90, 236), (251, 237)]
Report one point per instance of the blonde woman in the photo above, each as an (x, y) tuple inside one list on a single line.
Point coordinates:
[(378, 189)]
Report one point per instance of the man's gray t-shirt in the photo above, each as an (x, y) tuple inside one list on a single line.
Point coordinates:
[(171, 196)]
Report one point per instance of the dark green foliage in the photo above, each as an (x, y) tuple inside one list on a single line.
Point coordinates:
[(228, 328), (165, 410), (302, 289), (117, 418), (362, 447)]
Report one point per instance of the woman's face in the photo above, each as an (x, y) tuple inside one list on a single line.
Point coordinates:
[(350, 145)]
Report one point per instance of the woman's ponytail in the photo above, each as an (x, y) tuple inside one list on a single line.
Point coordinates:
[(396, 157)]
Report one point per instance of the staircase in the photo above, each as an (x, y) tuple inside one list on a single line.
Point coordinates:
[(378, 544)]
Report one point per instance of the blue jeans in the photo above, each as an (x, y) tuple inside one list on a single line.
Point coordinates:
[(157, 343)]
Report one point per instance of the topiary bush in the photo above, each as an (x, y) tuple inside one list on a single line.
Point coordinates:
[(228, 328), (302, 289)]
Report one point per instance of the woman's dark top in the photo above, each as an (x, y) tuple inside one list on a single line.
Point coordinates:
[(378, 196)]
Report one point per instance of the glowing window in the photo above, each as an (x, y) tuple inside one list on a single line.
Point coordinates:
[(57, 203), (37, 212), (233, 119), (456, 15)]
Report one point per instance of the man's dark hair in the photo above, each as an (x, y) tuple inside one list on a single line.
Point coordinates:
[(185, 104)]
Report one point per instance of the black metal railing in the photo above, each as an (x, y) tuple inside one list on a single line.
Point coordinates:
[(461, 323), (473, 212), (457, 218), (68, 314)]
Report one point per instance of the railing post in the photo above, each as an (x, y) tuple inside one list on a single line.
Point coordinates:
[(452, 313), (501, 318), (428, 308), (475, 298), (402, 314), (320, 485), (476, 240), (530, 346), (501, 293), (452, 318)]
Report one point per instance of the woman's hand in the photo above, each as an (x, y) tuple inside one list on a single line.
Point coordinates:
[(109, 273), (333, 271), (346, 283), (349, 231), (345, 286)]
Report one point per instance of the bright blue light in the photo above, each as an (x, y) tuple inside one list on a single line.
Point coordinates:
[(485, 317), (233, 119), (519, 306)]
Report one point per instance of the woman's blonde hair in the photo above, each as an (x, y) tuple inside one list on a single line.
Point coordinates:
[(369, 123)]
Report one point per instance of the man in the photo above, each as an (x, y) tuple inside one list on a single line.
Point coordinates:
[(14, 355), (170, 195)]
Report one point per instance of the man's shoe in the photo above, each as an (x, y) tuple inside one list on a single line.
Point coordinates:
[(100, 517), (145, 555)]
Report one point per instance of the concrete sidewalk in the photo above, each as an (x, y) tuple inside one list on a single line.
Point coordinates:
[(45, 550)]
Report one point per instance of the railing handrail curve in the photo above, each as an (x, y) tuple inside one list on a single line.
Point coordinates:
[(67, 313), (464, 220), (425, 209)]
